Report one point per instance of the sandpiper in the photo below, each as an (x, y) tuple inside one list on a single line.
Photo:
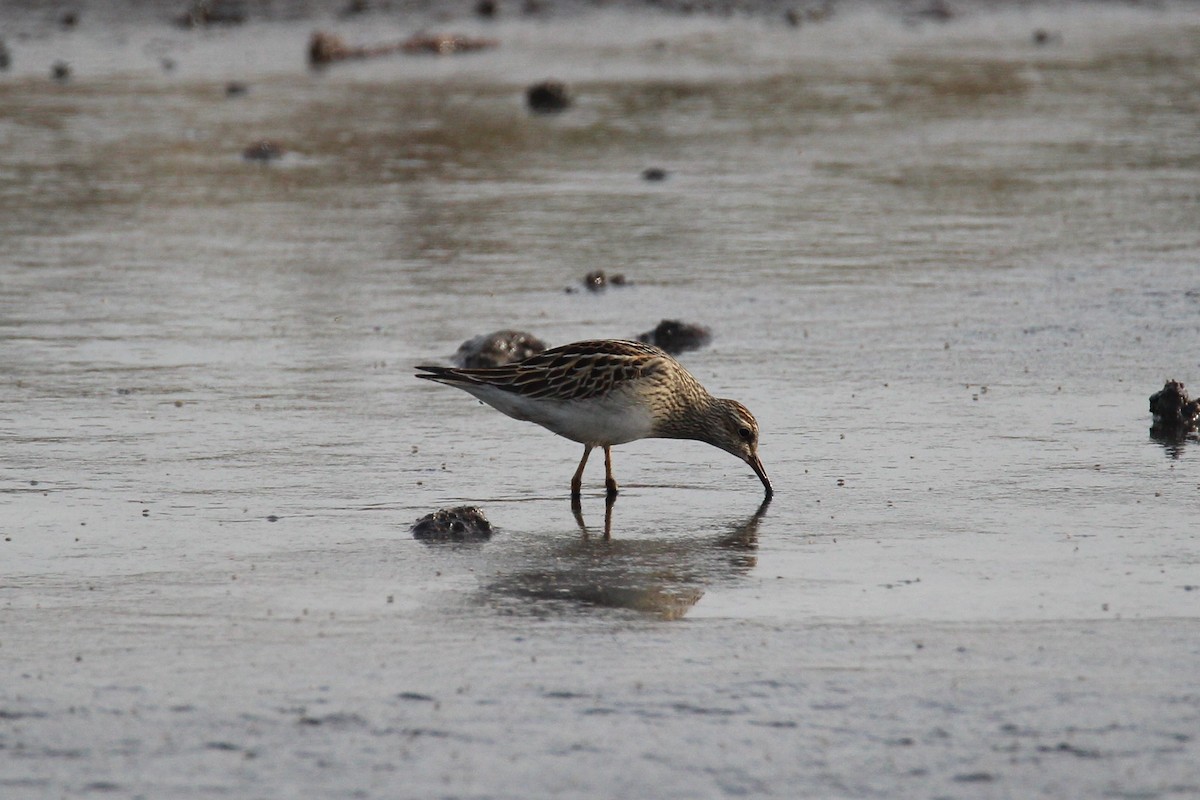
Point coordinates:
[(610, 391)]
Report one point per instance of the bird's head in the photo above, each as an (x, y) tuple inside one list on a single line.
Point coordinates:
[(736, 432)]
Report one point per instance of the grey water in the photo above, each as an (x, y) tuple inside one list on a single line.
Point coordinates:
[(944, 264)]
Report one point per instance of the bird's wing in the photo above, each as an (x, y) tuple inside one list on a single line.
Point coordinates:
[(571, 372)]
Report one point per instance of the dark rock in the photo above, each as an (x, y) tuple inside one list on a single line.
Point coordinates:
[(676, 337), (60, 71), (548, 97), (654, 174), (598, 280), (325, 48), (1173, 410), (264, 150), (497, 349), (461, 524)]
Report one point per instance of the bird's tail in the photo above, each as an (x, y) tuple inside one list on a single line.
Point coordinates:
[(451, 376)]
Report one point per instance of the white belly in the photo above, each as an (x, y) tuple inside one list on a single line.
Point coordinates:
[(596, 422)]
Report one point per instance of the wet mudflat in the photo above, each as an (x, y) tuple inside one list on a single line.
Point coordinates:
[(944, 264)]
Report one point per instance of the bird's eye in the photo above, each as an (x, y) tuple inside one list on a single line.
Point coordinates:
[(746, 434)]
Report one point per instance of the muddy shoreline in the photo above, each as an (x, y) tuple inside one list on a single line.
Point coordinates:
[(944, 262)]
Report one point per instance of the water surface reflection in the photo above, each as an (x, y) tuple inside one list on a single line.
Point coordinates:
[(1173, 440), (661, 576)]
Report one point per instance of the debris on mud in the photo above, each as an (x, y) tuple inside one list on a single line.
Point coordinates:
[(326, 48), (676, 336), (548, 97), (1175, 414), (218, 12), (460, 524), (497, 349), (598, 280), (442, 44)]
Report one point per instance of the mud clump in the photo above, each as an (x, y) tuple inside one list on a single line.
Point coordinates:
[(460, 524), (1175, 414), (598, 280), (325, 48), (497, 349), (548, 97), (677, 337)]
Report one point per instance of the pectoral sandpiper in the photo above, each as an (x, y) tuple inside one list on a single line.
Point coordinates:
[(607, 392)]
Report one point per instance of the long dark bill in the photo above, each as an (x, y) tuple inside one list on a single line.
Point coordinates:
[(756, 464)]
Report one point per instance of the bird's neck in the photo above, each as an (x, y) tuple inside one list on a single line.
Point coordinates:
[(695, 416)]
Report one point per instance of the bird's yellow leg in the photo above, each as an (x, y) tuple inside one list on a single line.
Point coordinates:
[(610, 483), (577, 481)]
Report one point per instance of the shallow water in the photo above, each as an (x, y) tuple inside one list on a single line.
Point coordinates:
[(944, 266)]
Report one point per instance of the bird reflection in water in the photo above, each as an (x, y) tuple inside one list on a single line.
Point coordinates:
[(662, 577)]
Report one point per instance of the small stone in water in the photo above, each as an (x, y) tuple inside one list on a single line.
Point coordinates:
[(497, 349), (676, 337), (459, 524)]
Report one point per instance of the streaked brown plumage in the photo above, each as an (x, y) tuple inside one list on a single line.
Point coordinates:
[(610, 391)]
